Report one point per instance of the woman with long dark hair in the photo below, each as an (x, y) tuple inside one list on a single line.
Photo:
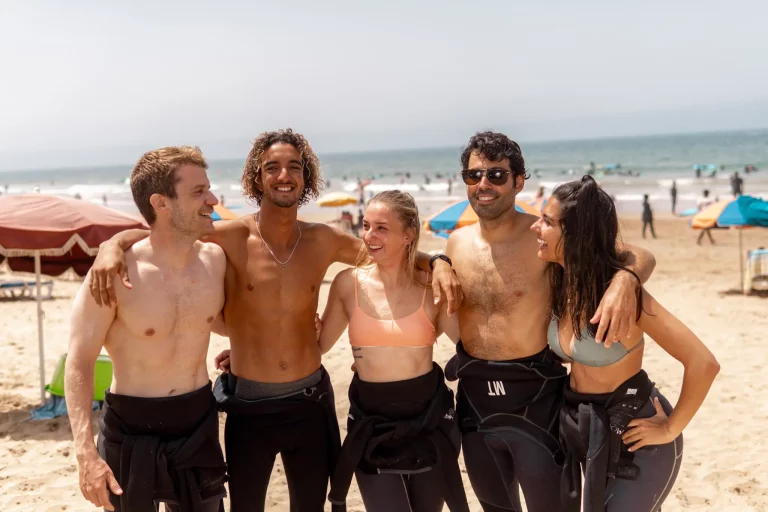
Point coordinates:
[(614, 424)]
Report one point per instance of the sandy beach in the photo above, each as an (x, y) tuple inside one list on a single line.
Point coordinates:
[(725, 459)]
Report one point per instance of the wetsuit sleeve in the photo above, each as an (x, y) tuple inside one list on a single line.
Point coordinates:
[(88, 330)]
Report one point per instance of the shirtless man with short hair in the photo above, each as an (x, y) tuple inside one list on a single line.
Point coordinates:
[(510, 384), (157, 338), (277, 396)]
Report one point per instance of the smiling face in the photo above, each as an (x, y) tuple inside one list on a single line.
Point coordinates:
[(282, 176), (491, 201), (549, 232), (190, 212), (384, 235)]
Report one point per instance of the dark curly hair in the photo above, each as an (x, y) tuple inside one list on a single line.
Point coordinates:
[(590, 229), (496, 146), (313, 180)]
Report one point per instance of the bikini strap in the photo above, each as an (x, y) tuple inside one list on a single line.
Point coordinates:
[(354, 273), (424, 298), (642, 340)]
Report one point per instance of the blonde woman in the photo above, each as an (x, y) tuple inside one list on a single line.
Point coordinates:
[(403, 441)]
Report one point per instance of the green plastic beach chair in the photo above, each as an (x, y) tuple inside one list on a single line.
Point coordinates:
[(102, 377)]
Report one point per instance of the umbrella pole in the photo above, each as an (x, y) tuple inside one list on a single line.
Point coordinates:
[(40, 328), (741, 263)]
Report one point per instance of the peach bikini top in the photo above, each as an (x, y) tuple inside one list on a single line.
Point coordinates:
[(414, 330)]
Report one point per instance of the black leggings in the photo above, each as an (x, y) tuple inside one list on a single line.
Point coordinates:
[(497, 463), (659, 466), (303, 445), (421, 492), (216, 505)]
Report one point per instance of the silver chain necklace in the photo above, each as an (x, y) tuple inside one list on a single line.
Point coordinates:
[(282, 263)]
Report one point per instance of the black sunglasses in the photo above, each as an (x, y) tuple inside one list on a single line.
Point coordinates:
[(496, 176)]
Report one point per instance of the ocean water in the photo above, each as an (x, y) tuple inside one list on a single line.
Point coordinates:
[(626, 167)]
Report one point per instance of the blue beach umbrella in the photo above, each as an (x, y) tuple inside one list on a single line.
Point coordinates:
[(741, 212), (461, 214)]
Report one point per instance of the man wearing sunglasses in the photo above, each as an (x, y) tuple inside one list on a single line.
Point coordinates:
[(510, 383)]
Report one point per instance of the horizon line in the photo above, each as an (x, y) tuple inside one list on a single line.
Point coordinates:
[(420, 148)]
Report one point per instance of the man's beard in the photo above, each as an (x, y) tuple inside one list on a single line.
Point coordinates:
[(281, 202), (185, 225), (490, 211)]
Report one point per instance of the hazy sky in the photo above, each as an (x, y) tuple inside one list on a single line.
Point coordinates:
[(96, 82)]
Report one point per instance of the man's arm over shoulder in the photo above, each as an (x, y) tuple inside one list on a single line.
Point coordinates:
[(640, 261), (617, 311), (227, 234), (344, 247), (88, 330)]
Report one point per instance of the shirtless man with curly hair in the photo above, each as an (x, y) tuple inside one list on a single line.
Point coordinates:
[(277, 395)]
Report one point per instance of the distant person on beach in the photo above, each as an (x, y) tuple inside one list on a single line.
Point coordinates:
[(160, 403), (615, 425), (539, 201), (393, 326), (221, 200), (737, 185), (703, 202), (647, 216), (276, 393), (510, 383), (359, 222), (673, 196)]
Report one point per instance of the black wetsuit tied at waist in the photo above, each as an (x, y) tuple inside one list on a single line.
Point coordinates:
[(403, 427), (278, 409), (591, 426), (163, 449), (523, 394)]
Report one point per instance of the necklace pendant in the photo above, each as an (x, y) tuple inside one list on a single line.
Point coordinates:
[(283, 267)]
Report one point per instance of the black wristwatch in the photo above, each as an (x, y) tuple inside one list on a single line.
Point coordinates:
[(441, 257)]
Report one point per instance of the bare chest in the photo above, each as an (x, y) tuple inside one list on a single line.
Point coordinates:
[(271, 282), (500, 279), (163, 304)]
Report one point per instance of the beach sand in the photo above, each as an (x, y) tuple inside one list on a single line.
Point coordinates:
[(725, 459)]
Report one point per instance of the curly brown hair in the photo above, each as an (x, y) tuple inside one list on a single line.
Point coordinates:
[(252, 172)]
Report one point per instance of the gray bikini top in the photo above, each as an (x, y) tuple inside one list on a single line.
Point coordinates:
[(585, 350)]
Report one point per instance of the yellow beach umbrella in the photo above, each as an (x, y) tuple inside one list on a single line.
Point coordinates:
[(336, 199)]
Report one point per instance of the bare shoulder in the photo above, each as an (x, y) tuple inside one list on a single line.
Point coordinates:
[(464, 234), (344, 281), (211, 252), (525, 220), (459, 239), (141, 251), (331, 242), (320, 232), (228, 232)]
